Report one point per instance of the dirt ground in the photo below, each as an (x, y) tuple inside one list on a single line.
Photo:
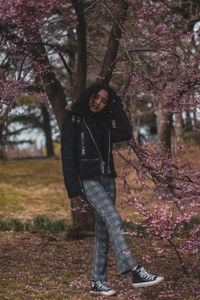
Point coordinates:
[(46, 266)]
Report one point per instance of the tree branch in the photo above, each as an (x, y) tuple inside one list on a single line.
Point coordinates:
[(113, 42)]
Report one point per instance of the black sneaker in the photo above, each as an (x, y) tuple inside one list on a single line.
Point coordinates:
[(98, 288), (140, 278)]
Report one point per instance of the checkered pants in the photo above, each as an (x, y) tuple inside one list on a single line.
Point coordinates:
[(100, 192)]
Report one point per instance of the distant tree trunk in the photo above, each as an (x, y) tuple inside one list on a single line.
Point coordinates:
[(2, 141), (47, 131), (188, 121), (195, 127), (178, 128), (136, 121), (164, 126), (174, 142)]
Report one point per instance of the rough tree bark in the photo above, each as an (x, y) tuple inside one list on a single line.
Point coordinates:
[(81, 222), (81, 74)]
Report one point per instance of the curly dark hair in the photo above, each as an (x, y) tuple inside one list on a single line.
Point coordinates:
[(82, 103)]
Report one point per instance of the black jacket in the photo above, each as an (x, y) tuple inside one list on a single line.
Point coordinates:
[(81, 155)]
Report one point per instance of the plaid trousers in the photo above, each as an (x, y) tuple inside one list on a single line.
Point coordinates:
[(101, 193)]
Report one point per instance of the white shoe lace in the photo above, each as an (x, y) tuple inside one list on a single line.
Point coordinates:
[(144, 274), (101, 286)]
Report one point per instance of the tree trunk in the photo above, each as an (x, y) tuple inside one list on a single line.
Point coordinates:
[(188, 121), (47, 131), (57, 99), (55, 91), (196, 135), (83, 220), (179, 128), (164, 126), (81, 74), (2, 141)]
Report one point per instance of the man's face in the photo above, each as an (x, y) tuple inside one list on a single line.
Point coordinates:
[(98, 103)]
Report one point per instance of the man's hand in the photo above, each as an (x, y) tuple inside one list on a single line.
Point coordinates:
[(116, 104)]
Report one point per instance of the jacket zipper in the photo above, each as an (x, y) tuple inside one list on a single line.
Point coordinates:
[(102, 162), (89, 159), (108, 167), (83, 151)]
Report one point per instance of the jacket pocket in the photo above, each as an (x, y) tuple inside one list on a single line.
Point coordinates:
[(90, 165)]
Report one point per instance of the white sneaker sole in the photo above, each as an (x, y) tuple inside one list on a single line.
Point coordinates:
[(110, 293), (143, 284)]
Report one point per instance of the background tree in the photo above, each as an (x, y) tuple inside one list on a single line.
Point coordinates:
[(34, 115), (31, 42)]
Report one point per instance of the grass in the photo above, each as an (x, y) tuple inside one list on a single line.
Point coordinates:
[(29, 188), (33, 187), (38, 224)]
